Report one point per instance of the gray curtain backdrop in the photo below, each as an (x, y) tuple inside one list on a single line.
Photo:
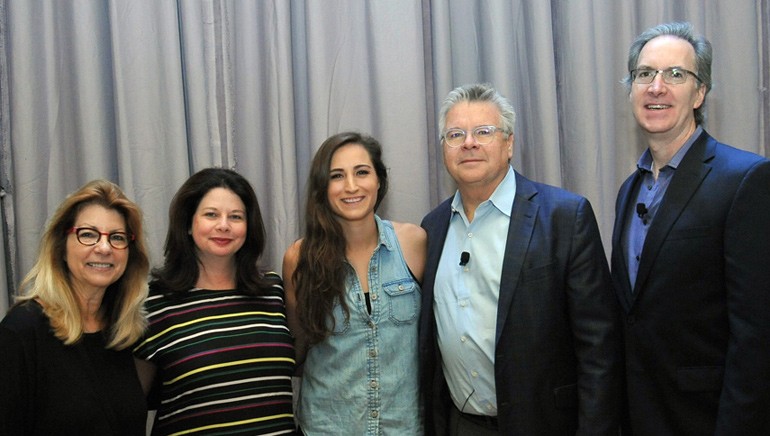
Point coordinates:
[(146, 92)]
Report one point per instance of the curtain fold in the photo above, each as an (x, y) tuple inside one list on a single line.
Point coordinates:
[(147, 92)]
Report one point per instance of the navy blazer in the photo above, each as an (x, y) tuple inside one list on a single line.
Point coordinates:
[(697, 324), (558, 351)]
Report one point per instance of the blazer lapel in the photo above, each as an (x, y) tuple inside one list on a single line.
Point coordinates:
[(437, 229), (688, 177), (619, 261), (523, 216)]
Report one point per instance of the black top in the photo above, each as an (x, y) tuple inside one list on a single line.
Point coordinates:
[(51, 388)]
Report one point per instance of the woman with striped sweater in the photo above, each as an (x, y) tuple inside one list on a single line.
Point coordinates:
[(218, 356)]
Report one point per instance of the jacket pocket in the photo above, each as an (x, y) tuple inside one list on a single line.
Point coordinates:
[(533, 272), (700, 378), (690, 233), (565, 397)]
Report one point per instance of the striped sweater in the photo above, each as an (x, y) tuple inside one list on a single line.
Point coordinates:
[(224, 362)]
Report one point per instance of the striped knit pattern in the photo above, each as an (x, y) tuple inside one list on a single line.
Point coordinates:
[(225, 361)]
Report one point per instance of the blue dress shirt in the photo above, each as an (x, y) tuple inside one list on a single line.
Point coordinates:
[(466, 297), (650, 193)]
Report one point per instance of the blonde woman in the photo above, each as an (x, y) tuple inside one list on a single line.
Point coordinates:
[(66, 365)]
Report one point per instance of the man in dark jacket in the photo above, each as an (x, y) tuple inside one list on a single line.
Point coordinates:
[(520, 329), (691, 256)]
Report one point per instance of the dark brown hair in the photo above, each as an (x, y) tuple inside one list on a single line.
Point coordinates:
[(320, 273), (180, 269)]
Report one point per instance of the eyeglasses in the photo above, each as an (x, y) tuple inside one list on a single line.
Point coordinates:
[(482, 134), (672, 76), (90, 236)]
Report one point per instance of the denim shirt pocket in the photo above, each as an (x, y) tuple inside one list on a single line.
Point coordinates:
[(403, 300)]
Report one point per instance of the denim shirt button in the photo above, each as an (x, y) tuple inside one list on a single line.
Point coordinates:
[(393, 322)]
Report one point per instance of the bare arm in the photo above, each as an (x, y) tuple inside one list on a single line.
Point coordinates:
[(290, 259), (414, 245)]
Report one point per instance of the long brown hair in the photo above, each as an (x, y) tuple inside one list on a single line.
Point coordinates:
[(320, 273)]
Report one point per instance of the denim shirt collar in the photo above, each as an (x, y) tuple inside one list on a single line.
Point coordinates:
[(383, 241)]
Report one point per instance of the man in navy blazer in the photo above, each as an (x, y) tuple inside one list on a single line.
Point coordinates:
[(691, 256), (520, 329)]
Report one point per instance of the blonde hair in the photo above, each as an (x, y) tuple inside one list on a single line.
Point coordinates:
[(48, 282)]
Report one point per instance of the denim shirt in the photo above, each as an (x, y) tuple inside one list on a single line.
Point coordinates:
[(362, 379)]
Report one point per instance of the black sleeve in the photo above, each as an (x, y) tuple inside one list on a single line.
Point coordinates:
[(15, 394)]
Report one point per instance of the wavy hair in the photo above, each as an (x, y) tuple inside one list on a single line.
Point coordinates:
[(478, 93), (49, 280), (681, 30), (181, 267), (320, 273)]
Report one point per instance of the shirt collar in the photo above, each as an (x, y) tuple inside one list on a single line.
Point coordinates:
[(381, 231), (645, 161), (501, 198)]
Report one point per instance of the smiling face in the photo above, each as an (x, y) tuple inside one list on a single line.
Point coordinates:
[(93, 268), (353, 183), (219, 225), (665, 111), (472, 165)]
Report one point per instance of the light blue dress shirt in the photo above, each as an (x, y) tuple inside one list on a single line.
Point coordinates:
[(466, 297), (649, 192)]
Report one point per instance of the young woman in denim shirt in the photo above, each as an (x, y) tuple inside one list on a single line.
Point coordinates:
[(353, 298)]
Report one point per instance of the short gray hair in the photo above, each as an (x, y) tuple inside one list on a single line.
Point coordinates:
[(478, 92)]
